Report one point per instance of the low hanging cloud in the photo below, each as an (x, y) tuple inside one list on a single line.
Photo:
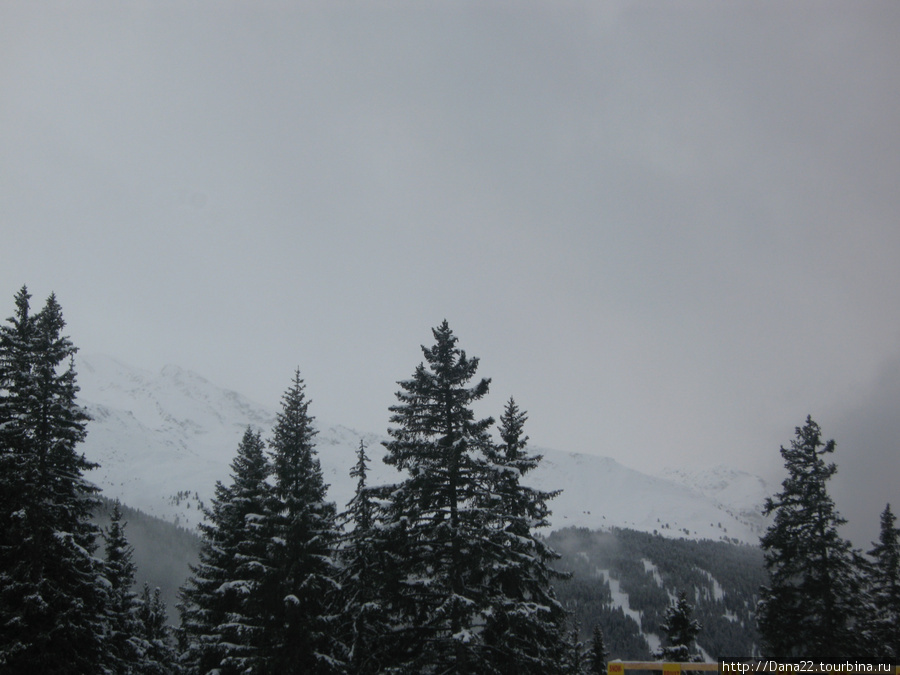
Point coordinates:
[(868, 457)]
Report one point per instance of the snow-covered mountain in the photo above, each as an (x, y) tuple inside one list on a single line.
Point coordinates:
[(163, 439), (739, 493)]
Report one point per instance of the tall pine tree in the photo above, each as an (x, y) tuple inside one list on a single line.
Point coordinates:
[(223, 619), (363, 616), (811, 606), (52, 594), (460, 563), (598, 654), (681, 631), (158, 655), (884, 587), (526, 627), (123, 623), (436, 530), (576, 656), (302, 590)]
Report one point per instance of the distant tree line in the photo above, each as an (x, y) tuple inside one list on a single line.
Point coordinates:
[(721, 580), (442, 572), (163, 551)]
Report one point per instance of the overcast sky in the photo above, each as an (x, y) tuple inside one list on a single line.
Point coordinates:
[(670, 230)]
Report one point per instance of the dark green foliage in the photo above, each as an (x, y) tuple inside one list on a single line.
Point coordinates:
[(138, 641), (884, 587), (680, 630), (155, 639), (163, 552), (725, 607), (598, 655), (302, 586), (52, 596), (122, 605), (360, 511), (526, 625), (363, 618), (432, 526), (458, 575), (223, 620), (589, 599), (575, 657), (811, 606)]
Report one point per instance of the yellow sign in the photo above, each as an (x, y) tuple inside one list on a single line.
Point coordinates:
[(671, 669), (619, 669)]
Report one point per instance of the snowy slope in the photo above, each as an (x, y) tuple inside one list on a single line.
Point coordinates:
[(599, 492), (163, 439), (159, 437), (739, 493)]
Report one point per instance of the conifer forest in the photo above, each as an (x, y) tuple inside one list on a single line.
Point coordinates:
[(449, 570)]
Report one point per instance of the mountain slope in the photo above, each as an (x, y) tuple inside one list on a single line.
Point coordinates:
[(739, 493), (163, 439), (624, 580)]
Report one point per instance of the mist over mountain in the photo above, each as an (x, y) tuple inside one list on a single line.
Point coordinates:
[(163, 439), (624, 580), (163, 552), (631, 540)]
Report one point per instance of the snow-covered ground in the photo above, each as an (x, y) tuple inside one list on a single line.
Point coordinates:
[(163, 439)]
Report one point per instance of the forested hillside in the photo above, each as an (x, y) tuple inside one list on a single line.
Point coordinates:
[(648, 569), (163, 552), (624, 580)]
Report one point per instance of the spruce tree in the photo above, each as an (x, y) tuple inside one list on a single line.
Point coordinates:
[(123, 624), (52, 593), (575, 655), (680, 631), (598, 653), (303, 584), (526, 627), (223, 619), (433, 526), (884, 588), (461, 566), (363, 615), (811, 606), (360, 509), (157, 650)]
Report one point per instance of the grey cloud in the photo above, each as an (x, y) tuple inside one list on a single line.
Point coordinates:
[(669, 231)]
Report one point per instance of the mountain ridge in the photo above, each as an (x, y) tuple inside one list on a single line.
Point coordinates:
[(163, 439)]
